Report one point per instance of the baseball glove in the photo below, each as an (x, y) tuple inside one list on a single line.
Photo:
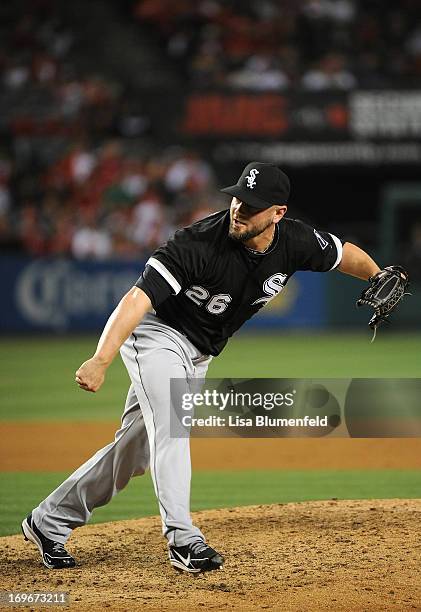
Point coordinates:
[(385, 291)]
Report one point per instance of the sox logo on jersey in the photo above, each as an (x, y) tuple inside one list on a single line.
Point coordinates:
[(251, 178), (272, 286)]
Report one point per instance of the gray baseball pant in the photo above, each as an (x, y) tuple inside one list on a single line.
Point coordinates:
[(153, 354)]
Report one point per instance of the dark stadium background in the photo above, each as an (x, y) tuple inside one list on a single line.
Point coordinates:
[(123, 74)]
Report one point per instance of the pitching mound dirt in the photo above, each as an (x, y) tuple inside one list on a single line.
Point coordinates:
[(331, 555)]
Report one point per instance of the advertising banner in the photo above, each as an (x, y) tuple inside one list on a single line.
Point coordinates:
[(338, 116), (61, 295), (359, 127)]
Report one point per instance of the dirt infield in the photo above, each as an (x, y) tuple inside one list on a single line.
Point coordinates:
[(332, 555), (23, 449)]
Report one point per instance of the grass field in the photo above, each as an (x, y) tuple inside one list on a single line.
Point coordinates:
[(37, 384), (22, 491), (37, 375)]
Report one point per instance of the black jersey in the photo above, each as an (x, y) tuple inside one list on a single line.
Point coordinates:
[(206, 284)]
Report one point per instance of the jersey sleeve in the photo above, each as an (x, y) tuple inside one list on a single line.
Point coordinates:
[(173, 266), (316, 250), (154, 285)]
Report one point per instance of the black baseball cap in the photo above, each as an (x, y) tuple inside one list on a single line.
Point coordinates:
[(261, 185)]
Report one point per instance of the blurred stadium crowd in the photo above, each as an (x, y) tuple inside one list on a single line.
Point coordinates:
[(275, 45), (69, 184), (78, 174)]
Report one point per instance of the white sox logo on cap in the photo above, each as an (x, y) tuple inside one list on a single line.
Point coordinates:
[(251, 178)]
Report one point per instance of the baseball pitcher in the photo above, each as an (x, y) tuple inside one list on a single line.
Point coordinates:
[(194, 293)]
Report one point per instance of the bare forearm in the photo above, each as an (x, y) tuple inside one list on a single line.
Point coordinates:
[(127, 315), (357, 262)]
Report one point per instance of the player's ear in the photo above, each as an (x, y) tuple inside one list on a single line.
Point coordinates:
[(280, 212)]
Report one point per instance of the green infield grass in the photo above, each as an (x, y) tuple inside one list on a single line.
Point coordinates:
[(37, 374), (21, 491)]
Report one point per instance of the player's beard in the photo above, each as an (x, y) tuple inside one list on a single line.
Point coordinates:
[(243, 236)]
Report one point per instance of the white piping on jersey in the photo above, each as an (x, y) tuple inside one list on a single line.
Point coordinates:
[(338, 245), (159, 267)]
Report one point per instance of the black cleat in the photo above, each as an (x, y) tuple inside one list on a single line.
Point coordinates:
[(195, 558), (54, 555)]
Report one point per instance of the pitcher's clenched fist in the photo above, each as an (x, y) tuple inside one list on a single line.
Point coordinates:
[(90, 375)]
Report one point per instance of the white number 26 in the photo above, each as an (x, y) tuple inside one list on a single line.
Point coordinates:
[(217, 304)]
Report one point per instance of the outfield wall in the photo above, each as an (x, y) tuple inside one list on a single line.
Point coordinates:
[(63, 295)]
